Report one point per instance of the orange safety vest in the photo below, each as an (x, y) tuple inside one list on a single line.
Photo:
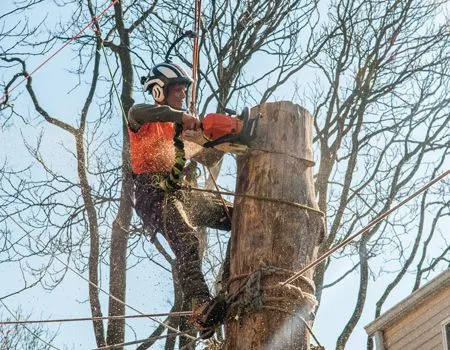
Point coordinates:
[(151, 148)]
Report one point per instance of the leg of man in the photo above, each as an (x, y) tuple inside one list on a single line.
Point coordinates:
[(207, 210), (165, 213), (182, 239)]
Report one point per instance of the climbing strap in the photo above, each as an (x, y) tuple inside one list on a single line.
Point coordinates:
[(175, 179), (255, 197)]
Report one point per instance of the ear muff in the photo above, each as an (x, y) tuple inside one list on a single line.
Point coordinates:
[(158, 93)]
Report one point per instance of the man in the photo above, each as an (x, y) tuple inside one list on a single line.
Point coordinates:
[(157, 159)]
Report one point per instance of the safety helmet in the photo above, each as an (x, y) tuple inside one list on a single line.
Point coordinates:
[(161, 76)]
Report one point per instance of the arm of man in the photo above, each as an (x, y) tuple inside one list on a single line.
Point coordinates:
[(142, 113)]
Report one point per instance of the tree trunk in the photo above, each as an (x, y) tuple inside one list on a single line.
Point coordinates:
[(121, 224), (271, 239)]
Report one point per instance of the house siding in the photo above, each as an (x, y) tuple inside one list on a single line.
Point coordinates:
[(420, 328)]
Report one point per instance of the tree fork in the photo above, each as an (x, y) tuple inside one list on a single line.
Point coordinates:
[(274, 237)]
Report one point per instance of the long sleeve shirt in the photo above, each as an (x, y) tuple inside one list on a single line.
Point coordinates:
[(151, 130), (142, 113)]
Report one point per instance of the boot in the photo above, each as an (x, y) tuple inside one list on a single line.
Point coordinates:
[(209, 315)]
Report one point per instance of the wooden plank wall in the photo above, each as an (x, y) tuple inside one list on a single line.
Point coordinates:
[(420, 329)]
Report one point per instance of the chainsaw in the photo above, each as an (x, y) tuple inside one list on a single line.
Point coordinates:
[(229, 132)]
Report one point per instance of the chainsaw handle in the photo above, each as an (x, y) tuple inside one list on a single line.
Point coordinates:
[(229, 111), (189, 122)]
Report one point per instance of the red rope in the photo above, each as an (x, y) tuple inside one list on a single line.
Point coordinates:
[(27, 75)]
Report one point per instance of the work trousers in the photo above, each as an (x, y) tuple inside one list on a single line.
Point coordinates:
[(176, 214)]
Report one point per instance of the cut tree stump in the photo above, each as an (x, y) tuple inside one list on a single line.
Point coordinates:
[(272, 237)]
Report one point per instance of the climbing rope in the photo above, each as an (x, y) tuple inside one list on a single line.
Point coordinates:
[(135, 342), (262, 198), (217, 191), (365, 229), (180, 161), (195, 60), (79, 319)]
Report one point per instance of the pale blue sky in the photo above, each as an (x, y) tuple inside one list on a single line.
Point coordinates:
[(147, 287)]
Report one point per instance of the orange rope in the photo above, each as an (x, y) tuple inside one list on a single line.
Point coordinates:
[(195, 60), (197, 19)]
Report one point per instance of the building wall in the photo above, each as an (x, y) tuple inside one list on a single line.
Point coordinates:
[(420, 328)]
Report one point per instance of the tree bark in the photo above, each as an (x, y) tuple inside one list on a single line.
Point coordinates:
[(272, 237), (121, 224)]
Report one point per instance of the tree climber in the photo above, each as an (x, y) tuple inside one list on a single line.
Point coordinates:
[(158, 161)]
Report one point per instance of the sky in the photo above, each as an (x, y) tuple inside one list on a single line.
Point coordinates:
[(150, 282)]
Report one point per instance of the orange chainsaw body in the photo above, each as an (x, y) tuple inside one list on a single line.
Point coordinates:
[(229, 132), (216, 125)]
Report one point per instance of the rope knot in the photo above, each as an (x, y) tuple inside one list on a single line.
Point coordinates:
[(258, 291)]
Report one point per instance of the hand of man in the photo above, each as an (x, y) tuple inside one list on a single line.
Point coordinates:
[(190, 122)]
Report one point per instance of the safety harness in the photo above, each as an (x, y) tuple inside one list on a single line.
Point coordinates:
[(175, 179)]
